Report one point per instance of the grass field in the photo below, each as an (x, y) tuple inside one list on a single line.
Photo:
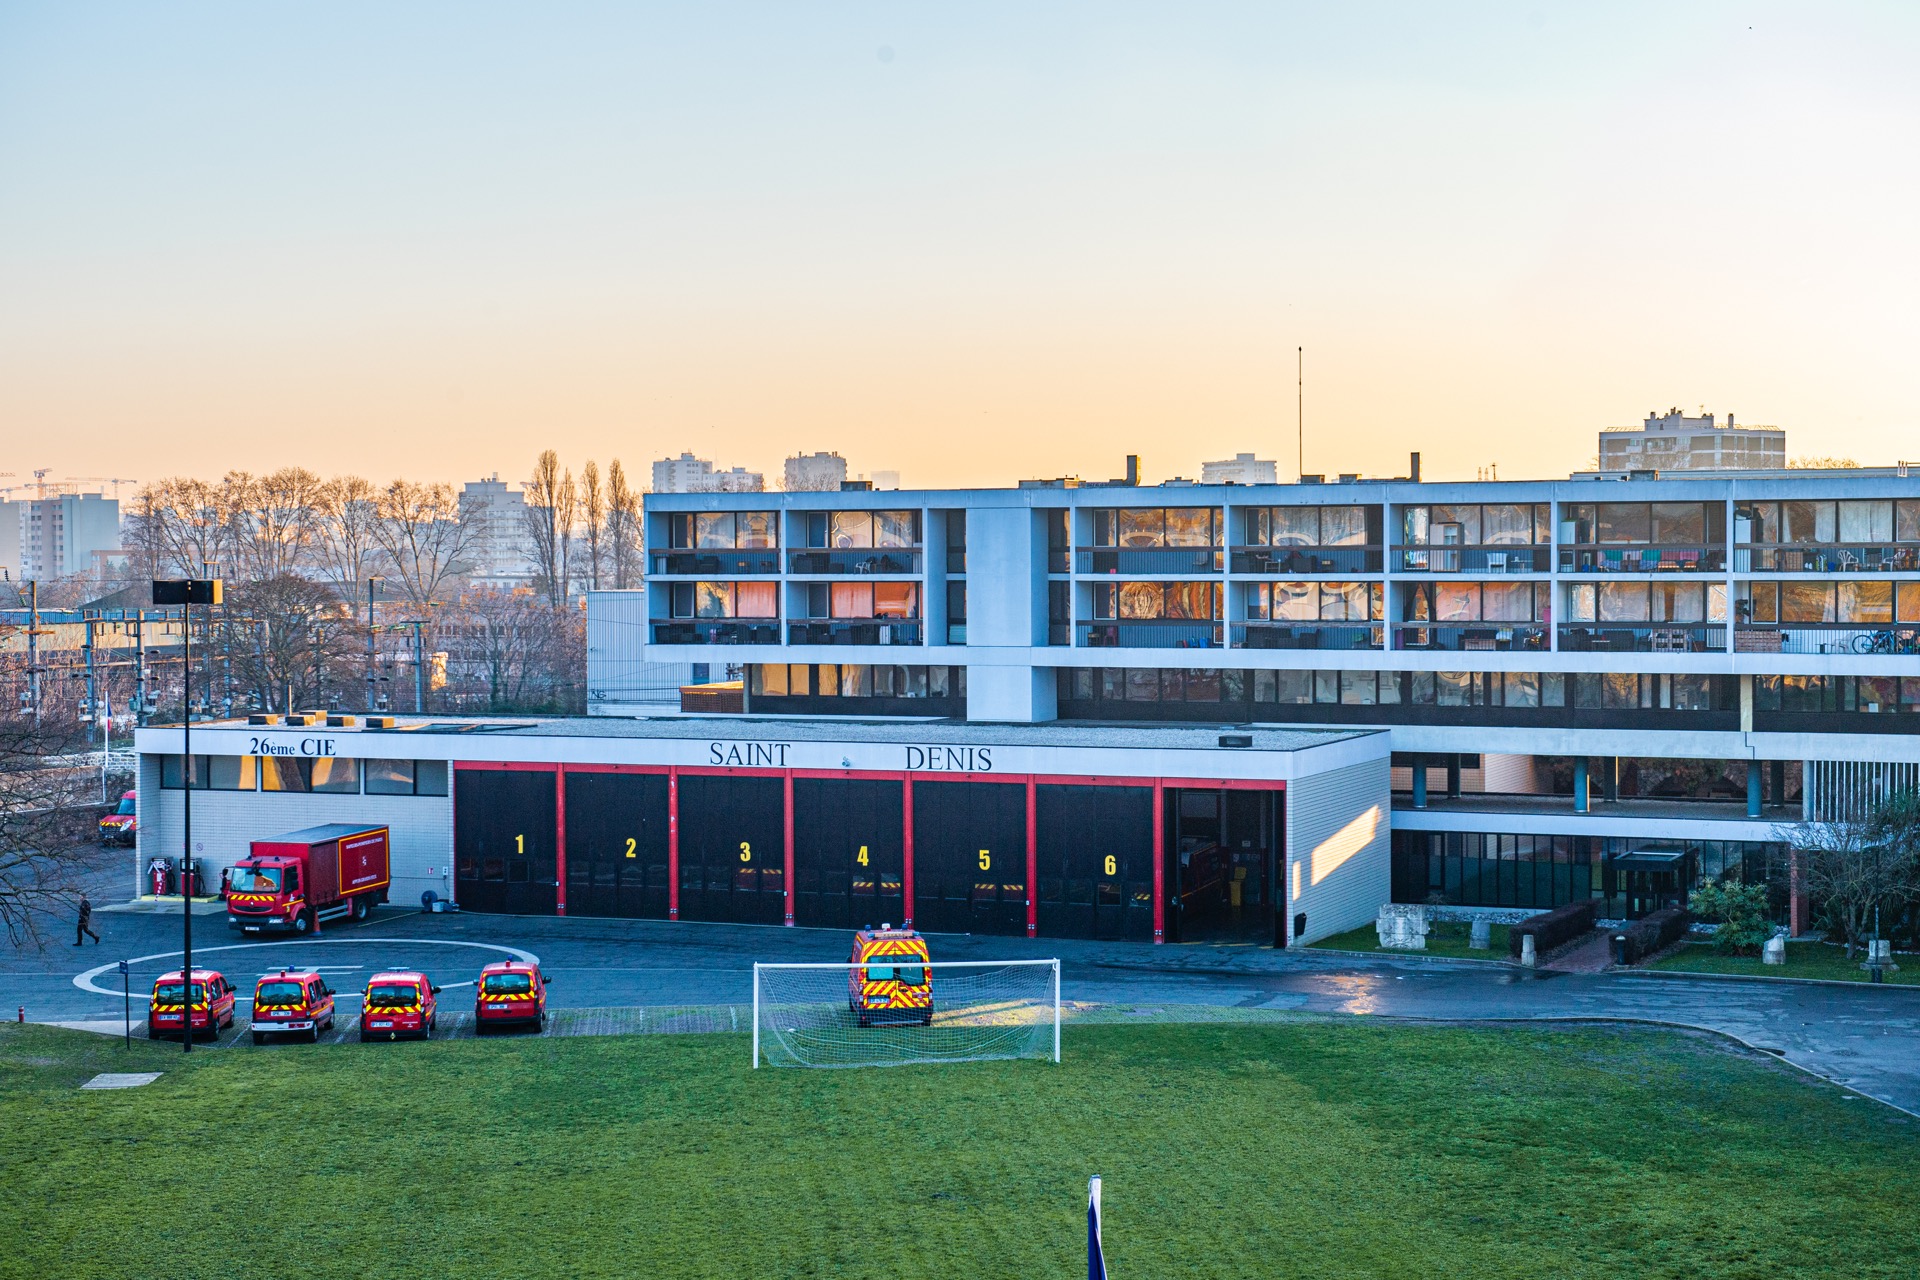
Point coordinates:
[(1804, 960), (1444, 938), (1312, 1148)]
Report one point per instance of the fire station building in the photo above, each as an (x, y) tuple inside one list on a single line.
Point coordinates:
[(1159, 832)]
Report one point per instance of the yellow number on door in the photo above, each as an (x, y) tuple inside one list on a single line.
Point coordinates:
[(746, 852), (519, 844), (631, 845), (861, 857), (1113, 868), (986, 860)]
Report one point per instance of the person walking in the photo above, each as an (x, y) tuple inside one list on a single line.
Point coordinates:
[(85, 927)]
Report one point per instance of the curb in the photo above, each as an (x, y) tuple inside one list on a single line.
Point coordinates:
[(1768, 977)]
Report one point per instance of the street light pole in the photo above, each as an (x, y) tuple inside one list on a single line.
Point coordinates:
[(186, 593)]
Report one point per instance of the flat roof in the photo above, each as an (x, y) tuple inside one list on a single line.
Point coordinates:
[(759, 728)]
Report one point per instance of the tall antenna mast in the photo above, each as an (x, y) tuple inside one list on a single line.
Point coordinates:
[(1300, 407)]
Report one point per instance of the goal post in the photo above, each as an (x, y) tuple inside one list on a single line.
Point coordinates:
[(853, 1015)]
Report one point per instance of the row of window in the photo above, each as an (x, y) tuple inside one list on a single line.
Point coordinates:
[(332, 775), (1847, 600), (1524, 689), (825, 680), (760, 530), (761, 600), (1647, 602), (1871, 520)]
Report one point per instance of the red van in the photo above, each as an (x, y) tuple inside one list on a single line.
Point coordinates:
[(511, 993), (398, 1003), (292, 1001), (173, 1011)]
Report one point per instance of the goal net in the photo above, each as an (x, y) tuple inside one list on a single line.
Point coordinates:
[(849, 1015)]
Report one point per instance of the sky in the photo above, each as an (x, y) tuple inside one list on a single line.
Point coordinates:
[(970, 243)]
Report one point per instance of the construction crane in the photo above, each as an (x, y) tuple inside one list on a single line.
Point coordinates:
[(115, 481)]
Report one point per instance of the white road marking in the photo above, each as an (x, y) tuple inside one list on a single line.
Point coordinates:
[(85, 981)]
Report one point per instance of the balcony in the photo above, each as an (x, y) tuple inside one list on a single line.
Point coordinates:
[(1472, 637), (1307, 635), (1846, 637), (1136, 560), (861, 560), (717, 631), (1594, 558), (1643, 637), (715, 563), (1151, 634), (1826, 559), (854, 631), (1276, 561), (1474, 560)]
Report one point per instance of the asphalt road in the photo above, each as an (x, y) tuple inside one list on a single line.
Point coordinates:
[(1866, 1038)]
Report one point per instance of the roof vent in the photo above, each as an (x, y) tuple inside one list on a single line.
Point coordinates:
[(379, 722), (1236, 739), (263, 718)]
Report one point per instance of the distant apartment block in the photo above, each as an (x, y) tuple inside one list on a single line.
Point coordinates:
[(688, 474), (57, 534), (1672, 441), (1241, 468), (501, 549), (813, 473), (886, 479)]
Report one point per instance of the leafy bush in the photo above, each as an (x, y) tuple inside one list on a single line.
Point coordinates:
[(1741, 910), (1655, 932), (1554, 928)]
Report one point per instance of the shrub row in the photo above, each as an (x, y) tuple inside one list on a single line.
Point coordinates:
[(1554, 928), (1653, 933)]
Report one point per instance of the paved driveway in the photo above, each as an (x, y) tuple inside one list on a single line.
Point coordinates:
[(1865, 1037)]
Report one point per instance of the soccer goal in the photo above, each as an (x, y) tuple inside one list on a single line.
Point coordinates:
[(850, 1015)]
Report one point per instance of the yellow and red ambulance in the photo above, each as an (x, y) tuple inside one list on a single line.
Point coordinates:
[(174, 1010), (510, 993), (292, 1001), (888, 980), (398, 1003)]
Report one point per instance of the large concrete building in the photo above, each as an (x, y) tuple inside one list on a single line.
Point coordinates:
[(813, 473), (501, 549), (688, 474), (1672, 441), (56, 535)]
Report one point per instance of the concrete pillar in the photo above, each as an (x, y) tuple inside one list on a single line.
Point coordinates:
[(1579, 784), (1453, 777), (1753, 788), (1610, 779), (1419, 782), (1779, 781)]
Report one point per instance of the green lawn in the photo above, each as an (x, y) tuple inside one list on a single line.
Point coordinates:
[(1804, 960), (1309, 1148), (1444, 938)]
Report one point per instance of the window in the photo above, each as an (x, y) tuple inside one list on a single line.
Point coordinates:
[(1150, 601), (388, 777), (335, 776), (1869, 602), (1155, 527), (875, 600), (170, 772), (1808, 522), (1313, 601), (277, 773), (1806, 602), (725, 600)]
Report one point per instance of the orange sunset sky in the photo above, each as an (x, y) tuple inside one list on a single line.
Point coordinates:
[(968, 243)]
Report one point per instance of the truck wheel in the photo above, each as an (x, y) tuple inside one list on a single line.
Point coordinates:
[(362, 907), (313, 1034), (303, 923)]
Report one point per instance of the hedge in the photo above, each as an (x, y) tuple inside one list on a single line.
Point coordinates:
[(1554, 928), (1654, 933)]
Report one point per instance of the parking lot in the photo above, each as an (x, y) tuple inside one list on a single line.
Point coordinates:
[(614, 976)]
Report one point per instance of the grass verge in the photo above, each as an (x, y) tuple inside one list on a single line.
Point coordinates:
[(1804, 960), (1345, 1148), (1444, 938)]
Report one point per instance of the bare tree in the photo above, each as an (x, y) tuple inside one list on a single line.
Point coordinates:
[(296, 644), (183, 525), (1862, 870), (274, 519), (623, 527), (593, 510), (420, 533), (347, 510), (552, 508), (46, 807)]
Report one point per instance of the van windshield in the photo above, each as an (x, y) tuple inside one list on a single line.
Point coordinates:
[(280, 993), (392, 995), (169, 992), (254, 880), (507, 984), (126, 805), (910, 975)]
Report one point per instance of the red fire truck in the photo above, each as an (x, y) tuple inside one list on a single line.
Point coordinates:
[(295, 881)]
